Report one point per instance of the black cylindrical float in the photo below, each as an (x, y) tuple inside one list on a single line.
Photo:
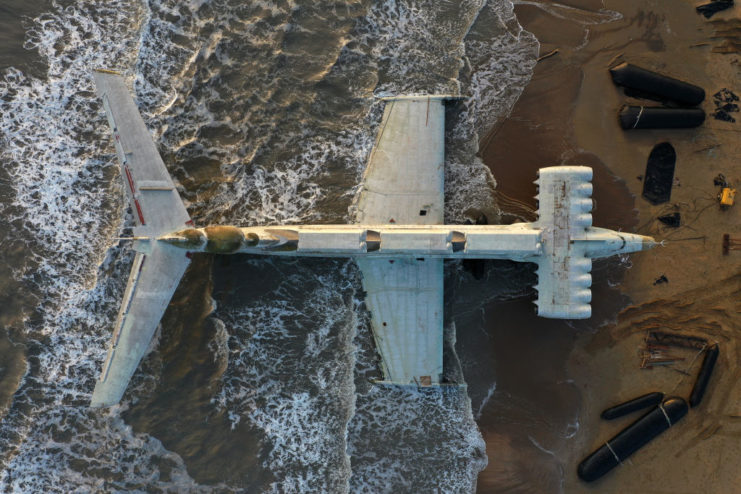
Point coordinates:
[(632, 438), (655, 117), (703, 377), (643, 401), (656, 86)]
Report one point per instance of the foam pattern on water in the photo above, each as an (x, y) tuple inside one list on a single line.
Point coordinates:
[(393, 425), (499, 60), (290, 371), (421, 440)]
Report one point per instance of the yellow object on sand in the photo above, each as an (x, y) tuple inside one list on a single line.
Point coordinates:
[(726, 196)]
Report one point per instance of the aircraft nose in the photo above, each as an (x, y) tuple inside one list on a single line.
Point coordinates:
[(637, 243), (648, 242)]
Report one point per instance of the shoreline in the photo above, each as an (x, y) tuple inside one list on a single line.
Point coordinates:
[(568, 115)]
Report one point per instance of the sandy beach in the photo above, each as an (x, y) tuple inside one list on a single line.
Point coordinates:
[(572, 371)]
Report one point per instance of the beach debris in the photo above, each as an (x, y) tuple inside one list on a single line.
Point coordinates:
[(661, 279), (656, 355), (730, 243), (642, 83), (547, 55), (662, 338), (673, 220), (615, 59), (725, 104), (657, 184), (625, 408), (632, 438), (708, 9), (726, 197), (659, 117), (727, 193), (703, 377), (725, 95), (722, 115)]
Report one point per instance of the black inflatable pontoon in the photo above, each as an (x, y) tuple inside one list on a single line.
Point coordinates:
[(657, 117), (632, 438), (703, 377), (643, 401), (647, 84)]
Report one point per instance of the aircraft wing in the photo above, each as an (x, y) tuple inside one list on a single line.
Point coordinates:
[(405, 299), (152, 195), (403, 184), (152, 282)]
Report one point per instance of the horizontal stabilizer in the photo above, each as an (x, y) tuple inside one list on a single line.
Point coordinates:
[(152, 282), (151, 192)]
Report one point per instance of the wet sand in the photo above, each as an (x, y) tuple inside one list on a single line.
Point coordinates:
[(558, 374)]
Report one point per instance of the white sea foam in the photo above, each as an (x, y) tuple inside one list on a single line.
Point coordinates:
[(540, 447), (576, 14), (485, 400), (290, 371)]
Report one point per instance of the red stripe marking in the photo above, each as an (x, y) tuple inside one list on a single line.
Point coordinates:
[(129, 179), (189, 222), (139, 211)]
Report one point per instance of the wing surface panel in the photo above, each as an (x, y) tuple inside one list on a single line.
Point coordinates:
[(405, 299), (403, 182)]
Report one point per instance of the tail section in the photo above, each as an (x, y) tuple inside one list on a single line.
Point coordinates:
[(158, 266)]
